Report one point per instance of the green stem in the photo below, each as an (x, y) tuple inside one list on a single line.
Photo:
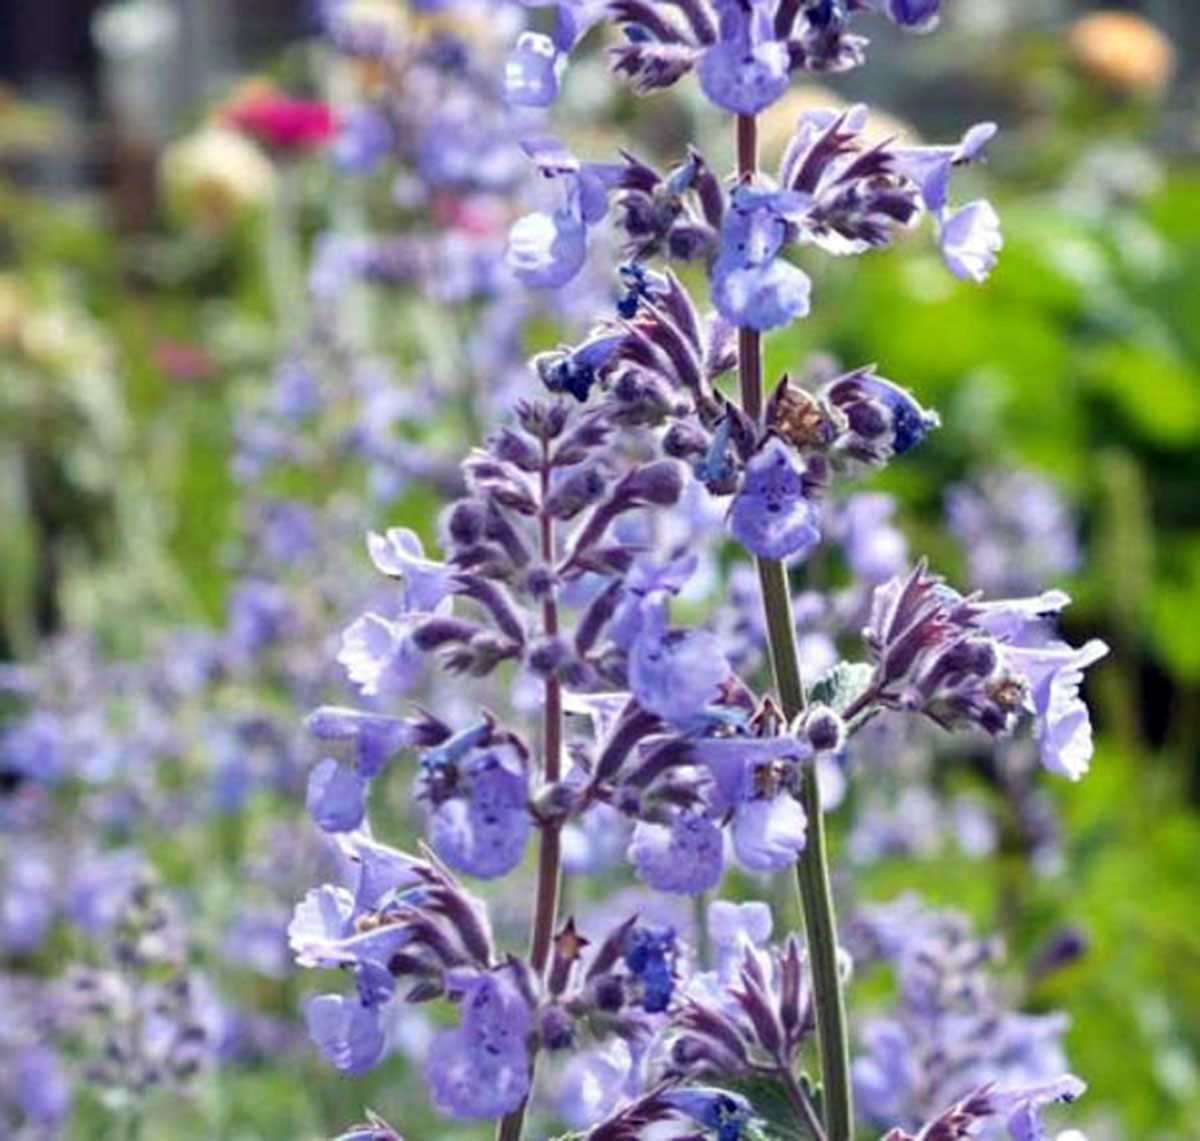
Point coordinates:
[(812, 866), (801, 1103)]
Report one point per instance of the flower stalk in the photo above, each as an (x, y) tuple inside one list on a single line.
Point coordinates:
[(550, 846), (812, 866)]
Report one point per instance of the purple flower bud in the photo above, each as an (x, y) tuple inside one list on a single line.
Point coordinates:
[(883, 418), (659, 484), (824, 729), (579, 490), (466, 522), (556, 1028), (914, 15), (517, 449)]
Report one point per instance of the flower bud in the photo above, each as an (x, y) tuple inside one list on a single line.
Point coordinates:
[(556, 1028), (577, 491), (824, 729)]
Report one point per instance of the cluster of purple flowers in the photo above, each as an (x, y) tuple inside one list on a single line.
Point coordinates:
[(950, 1052), (572, 546), (196, 734), (834, 190), (557, 708)]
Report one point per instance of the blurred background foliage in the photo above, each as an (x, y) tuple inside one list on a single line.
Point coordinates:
[(128, 343)]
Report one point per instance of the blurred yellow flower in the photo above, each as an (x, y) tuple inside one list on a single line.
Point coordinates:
[(214, 178), (1122, 51)]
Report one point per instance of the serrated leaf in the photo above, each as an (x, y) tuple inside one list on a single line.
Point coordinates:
[(841, 685)]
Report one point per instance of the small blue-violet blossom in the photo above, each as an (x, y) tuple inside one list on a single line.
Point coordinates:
[(746, 70), (546, 251), (1053, 672), (753, 285), (675, 674), (479, 820), (481, 1069), (685, 856), (755, 782), (771, 515)]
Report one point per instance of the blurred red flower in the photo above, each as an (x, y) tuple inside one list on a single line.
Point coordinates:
[(288, 125)]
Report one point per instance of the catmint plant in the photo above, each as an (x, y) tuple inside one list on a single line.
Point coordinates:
[(564, 567)]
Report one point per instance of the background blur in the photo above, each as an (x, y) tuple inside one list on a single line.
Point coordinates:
[(131, 344)]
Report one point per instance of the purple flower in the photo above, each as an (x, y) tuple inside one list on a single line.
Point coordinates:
[(685, 856), (648, 579), (533, 71), (746, 70), (649, 955), (675, 674), (325, 915), (379, 656), (381, 869), (753, 286), (534, 68), (336, 797), (479, 821), (546, 251), (771, 515), (363, 141), (1064, 727), (970, 239), (376, 736), (1022, 1107), (481, 1069), (716, 1109), (915, 15), (399, 554), (756, 780), (1053, 674), (930, 167), (346, 1030), (42, 1084)]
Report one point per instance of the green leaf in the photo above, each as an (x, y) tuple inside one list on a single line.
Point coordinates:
[(842, 685)]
